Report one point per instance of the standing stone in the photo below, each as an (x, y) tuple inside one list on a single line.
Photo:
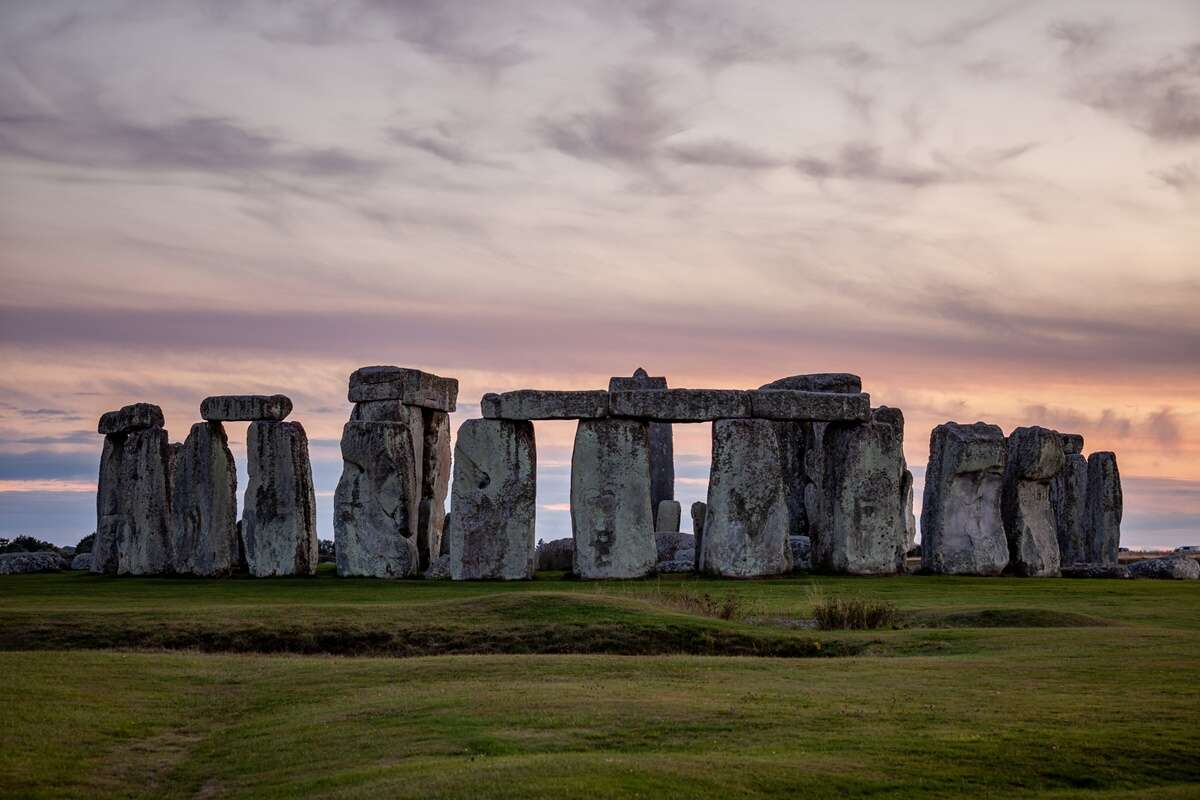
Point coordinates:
[(699, 509), (962, 531), (1035, 457), (435, 484), (801, 552), (494, 500), (144, 544), (204, 503), (1105, 505), (864, 476), (279, 533), (611, 517), (667, 518), (110, 518), (910, 519), (746, 526), (444, 546), (1068, 498), (376, 503), (662, 443)]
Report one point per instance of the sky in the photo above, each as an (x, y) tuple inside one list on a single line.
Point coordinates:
[(988, 210)]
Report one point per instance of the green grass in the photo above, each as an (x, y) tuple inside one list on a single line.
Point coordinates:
[(1000, 687)]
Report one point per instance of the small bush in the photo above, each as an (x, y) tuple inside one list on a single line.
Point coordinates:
[(854, 614), (728, 606), (85, 544)]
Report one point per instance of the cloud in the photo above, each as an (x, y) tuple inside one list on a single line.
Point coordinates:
[(1162, 100), (722, 153), (1183, 177), (46, 465), (859, 161), (966, 28), (1162, 426), (86, 437), (1081, 39), (457, 31), (440, 144)]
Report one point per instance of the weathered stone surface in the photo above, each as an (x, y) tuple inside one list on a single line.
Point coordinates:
[(1068, 499), (110, 518), (699, 510), (19, 563), (840, 382), (376, 505), (530, 404), (144, 505), (384, 411), (962, 530), (906, 504), (494, 498), (444, 545), (864, 477), (681, 405), (245, 407), (667, 516), (127, 419), (1035, 457), (83, 561), (746, 524), (611, 518), (1104, 508), (1072, 443), (810, 406), (668, 544), (279, 534), (1085, 570), (683, 562), (1169, 568), (438, 569), (662, 441), (435, 484), (204, 504), (410, 386), (557, 555), (801, 547)]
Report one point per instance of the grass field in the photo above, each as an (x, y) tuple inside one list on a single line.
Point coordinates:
[(559, 688)]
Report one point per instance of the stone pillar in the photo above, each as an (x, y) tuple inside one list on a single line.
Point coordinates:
[(1035, 457), (611, 517), (1105, 505), (110, 519), (906, 503), (376, 502), (666, 520), (699, 509), (279, 534), (204, 504), (662, 443), (493, 499), (962, 530), (746, 523), (864, 482), (1068, 498), (435, 484)]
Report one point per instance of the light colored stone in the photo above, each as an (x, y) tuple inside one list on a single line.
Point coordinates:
[(864, 476), (669, 544), (1169, 568), (83, 562), (611, 518), (493, 501), (801, 552), (683, 562), (1068, 499), (279, 534), (1104, 508), (410, 386), (438, 569), (204, 504), (1035, 457), (531, 404), (962, 531), (127, 419), (667, 516), (662, 440), (144, 543), (680, 405), (435, 484), (20, 563), (746, 523), (245, 407), (810, 406), (376, 505)]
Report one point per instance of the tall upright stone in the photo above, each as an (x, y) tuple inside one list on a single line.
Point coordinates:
[(666, 520), (1068, 498), (144, 547), (1105, 506), (699, 509), (746, 523), (864, 478), (493, 498), (375, 516), (279, 534), (110, 516), (906, 503), (1035, 458), (662, 444), (204, 503), (435, 484), (612, 520), (962, 530)]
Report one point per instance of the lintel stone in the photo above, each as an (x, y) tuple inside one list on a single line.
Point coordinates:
[(681, 405), (812, 406), (531, 404), (245, 408), (410, 386)]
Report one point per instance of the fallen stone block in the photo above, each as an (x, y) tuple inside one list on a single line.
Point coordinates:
[(1170, 568), (1035, 458), (681, 405), (20, 563), (410, 386), (279, 533), (83, 561), (683, 562), (531, 404), (611, 519), (668, 544), (1084, 570), (494, 499), (810, 406), (127, 419), (245, 407)]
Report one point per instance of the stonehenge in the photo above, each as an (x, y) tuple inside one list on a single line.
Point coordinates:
[(805, 474)]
